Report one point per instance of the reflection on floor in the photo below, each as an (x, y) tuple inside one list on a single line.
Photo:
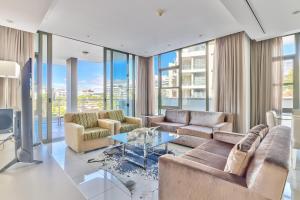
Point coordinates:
[(57, 128), (88, 177), (64, 173)]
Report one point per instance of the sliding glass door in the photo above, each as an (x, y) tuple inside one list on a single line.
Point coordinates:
[(119, 81)]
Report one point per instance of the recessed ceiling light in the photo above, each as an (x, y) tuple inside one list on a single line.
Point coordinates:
[(122, 45), (88, 36), (169, 45), (200, 35), (85, 52), (9, 21), (296, 12)]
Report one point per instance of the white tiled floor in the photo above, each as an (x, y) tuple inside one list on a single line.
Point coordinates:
[(67, 175)]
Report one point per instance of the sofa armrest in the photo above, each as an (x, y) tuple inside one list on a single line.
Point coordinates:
[(73, 135), (225, 126), (134, 120), (228, 137), (180, 178), (107, 124), (154, 119)]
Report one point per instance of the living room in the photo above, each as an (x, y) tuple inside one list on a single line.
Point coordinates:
[(149, 100)]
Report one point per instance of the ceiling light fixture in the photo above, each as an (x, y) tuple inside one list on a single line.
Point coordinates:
[(296, 12), (85, 52), (200, 35), (10, 21), (160, 12)]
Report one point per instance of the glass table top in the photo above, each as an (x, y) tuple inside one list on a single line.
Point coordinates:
[(151, 139)]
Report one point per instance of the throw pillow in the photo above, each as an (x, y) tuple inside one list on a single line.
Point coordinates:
[(260, 130), (241, 154)]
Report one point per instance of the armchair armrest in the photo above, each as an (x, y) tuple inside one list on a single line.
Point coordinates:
[(73, 134), (228, 137), (154, 119), (181, 178), (134, 120), (225, 126), (107, 124)]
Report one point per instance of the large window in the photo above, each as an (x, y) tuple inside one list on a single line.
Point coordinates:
[(289, 58), (185, 78), (120, 68), (169, 80), (90, 85)]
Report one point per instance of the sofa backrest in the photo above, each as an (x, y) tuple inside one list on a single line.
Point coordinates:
[(177, 116), (268, 169), (208, 119)]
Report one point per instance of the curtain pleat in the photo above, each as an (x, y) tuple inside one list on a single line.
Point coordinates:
[(228, 77), (266, 78), (17, 46), (141, 91)]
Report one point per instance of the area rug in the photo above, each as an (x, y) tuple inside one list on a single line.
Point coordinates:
[(140, 183), (113, 161)]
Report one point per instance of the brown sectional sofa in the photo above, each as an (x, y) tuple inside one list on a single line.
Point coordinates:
[(201, 173), (194, 123)]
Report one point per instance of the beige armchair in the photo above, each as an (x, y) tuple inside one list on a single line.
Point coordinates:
[(122, 123), (85, 132)]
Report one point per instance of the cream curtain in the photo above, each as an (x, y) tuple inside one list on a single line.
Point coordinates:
[(145, 87), (151, 88), (15, 45), (141, 91), (228, 77), (266, 78)]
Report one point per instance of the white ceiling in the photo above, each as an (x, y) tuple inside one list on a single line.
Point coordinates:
[(134, 26), (64, 48), (26, 15)]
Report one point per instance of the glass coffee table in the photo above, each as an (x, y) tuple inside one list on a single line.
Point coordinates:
[(146, 141)]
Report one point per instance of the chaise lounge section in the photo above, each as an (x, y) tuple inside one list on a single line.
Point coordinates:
[(214, 169)]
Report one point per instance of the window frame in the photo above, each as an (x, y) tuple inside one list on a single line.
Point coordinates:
[(180, 68)]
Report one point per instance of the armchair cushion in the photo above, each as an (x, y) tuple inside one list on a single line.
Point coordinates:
[(95, 133), (134, 120), (87, 120), (116, 115), (125, 127)]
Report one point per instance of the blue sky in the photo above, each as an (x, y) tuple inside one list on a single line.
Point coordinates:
[(90, 74)]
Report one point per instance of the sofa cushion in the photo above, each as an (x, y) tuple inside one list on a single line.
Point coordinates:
[(116, 115), (177, 116), (241, 153), (95, 133), (208, 119), (206, 158), (168, 126), (87, 120), (217, 147), (260, 130), (198, 131), (125, 127)]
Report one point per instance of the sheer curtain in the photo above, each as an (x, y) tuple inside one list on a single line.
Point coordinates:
[(228, 77), (15, 45), (266, 78)]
